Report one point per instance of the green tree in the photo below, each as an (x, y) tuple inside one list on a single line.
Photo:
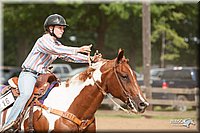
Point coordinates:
[(109, 26), (167, 18)]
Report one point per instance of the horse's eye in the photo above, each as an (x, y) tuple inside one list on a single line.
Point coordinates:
[(124, 77)]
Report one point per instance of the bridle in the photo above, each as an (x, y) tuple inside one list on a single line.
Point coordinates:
[(120, 84)]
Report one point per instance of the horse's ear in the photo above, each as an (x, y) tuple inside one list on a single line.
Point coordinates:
[(120, 55)]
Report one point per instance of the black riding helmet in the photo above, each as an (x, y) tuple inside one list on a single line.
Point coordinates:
[(54, 19)]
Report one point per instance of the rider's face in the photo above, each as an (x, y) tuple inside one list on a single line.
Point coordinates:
[(59, 30)]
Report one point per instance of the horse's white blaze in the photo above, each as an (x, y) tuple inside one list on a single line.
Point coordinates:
[(131, 71), (143, 100), (139, 93), (136, 79)]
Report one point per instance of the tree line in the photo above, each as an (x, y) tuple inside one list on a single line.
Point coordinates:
[(108, 26)]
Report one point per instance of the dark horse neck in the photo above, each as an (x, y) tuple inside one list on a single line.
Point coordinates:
[(92, 98)]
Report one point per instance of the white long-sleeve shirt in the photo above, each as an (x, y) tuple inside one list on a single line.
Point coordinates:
[(46, 50)]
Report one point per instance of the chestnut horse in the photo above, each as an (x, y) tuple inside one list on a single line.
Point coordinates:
[(71, 106)]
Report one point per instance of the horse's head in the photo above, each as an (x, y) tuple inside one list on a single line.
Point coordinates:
[(122, 83)]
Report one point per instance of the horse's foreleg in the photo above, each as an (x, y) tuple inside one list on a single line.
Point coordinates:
[(40, 123), (64, 125), (91, 128)]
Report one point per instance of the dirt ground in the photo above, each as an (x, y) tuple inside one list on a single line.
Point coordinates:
[(107, 120)]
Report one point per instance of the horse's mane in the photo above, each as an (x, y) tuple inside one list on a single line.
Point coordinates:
[(82, 76), (87, 73)]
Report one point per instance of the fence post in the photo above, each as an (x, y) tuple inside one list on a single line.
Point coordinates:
[(1, 37), (196, 97), (146, 35)]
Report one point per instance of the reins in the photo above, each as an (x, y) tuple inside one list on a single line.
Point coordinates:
[(120, 83)]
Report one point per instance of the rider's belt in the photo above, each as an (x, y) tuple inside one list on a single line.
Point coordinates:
[(32, 71)]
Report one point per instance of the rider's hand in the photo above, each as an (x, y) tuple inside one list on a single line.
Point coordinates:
[(96, 57), (85, 49)]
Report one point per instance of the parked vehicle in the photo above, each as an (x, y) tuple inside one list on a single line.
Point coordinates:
[(140, 78), (8, 72), (75, 71), (176, 77), (155, 74), (173, 77), (61, 70)]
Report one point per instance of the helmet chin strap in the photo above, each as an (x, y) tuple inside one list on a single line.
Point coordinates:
[(52, 33)]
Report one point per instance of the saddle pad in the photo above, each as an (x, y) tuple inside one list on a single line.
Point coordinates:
[(47, 92)]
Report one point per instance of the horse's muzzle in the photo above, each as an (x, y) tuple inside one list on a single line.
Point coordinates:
[(137, 108), (142, 106)]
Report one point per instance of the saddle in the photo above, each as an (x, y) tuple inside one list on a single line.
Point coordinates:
[(43, 85)]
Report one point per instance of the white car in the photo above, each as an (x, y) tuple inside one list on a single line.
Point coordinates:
[(74, 72), (61, 70)]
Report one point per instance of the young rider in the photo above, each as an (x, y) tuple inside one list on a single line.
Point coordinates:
[(46, 49)]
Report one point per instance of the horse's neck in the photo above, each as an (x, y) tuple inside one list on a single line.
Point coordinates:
[(81, 96), (90, 97), (87, 103)]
